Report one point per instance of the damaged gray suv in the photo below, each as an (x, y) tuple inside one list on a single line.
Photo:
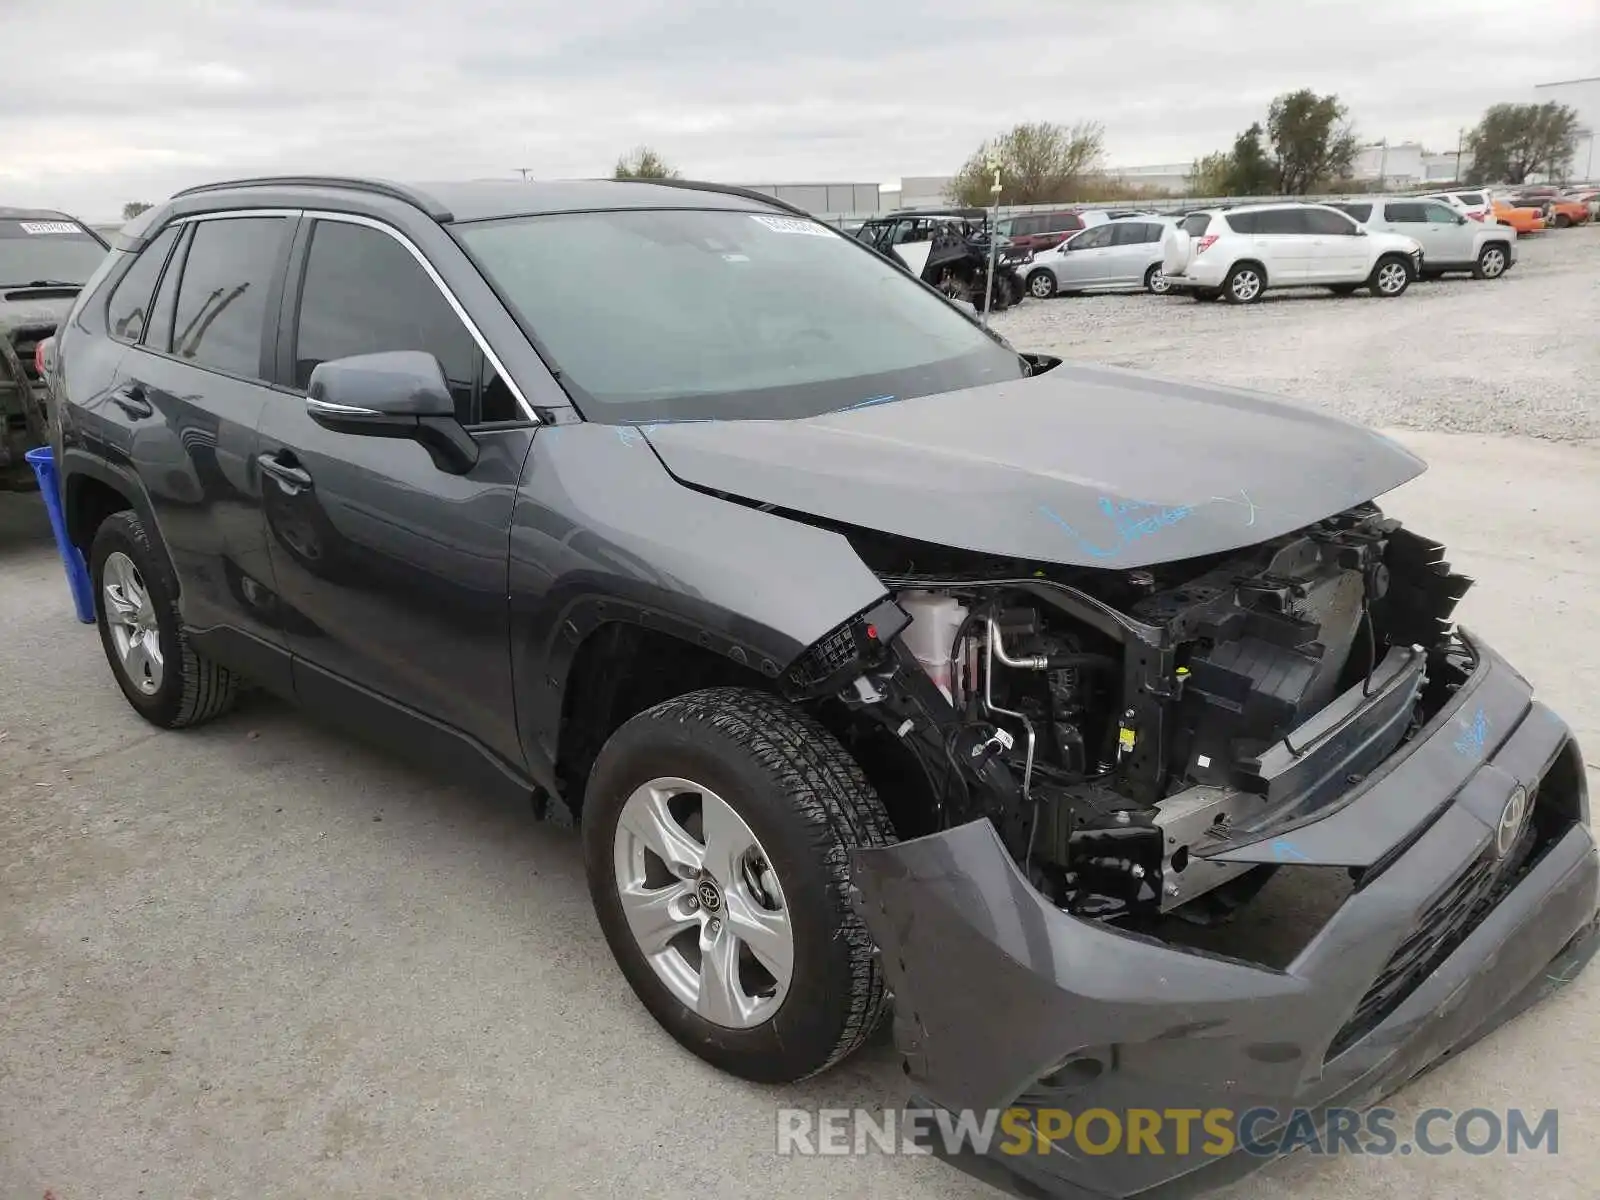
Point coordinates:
[(872, 656)]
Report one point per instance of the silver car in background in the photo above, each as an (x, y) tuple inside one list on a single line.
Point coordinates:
[(1449, 240), (1113, 256)]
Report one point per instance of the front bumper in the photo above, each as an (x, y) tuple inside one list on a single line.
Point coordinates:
[(1445, 939)]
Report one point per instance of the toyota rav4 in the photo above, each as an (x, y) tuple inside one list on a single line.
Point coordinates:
[(871, 655)]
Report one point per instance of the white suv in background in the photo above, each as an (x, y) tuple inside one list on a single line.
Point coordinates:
[(1238, 253), (1449, 240), (1477, 203)]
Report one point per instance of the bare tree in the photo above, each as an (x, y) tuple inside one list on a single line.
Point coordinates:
[(1040, 163), (133, 208)]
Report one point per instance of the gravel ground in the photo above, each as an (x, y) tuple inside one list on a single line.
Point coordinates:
[(1518, 355)]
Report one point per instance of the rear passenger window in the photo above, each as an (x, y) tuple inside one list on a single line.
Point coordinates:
[(222, 298), (1327, 223), (1275, 221), (129, 308), (1406, 214), (364, 293), (1130, 233)]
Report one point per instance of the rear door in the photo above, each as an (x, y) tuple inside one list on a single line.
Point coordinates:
[(184, 411), (394, 571), (1281, 239)]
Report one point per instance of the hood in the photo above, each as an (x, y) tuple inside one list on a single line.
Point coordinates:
[(1084, 466), (21, 306)]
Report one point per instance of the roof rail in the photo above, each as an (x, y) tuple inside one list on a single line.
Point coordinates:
[(378, 187), (729, 189)]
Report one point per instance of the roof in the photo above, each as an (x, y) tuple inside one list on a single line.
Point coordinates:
[(489, 199), (35, 214)]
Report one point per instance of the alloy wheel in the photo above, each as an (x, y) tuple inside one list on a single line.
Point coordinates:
[(1494, 263), (131, 619), (1246, 285), (1392, 278), (703, 902)]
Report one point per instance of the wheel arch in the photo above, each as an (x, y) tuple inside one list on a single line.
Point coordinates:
[(92, 489)]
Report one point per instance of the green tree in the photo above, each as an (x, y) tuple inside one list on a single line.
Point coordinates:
[(1211, 175), (1311, 140), (132, 209), (1040, 163), (1253, 171), (643, 163), (1514, 141)]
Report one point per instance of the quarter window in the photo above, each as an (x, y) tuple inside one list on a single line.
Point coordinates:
[(222, 298), (129, 309)]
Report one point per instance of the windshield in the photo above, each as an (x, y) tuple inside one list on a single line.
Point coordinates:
[(47, 251), (698, 315)]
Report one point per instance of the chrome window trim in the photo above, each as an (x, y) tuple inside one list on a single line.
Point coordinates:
[(438, 282)]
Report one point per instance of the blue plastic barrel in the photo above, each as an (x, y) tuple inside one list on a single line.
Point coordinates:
[(44, 468)]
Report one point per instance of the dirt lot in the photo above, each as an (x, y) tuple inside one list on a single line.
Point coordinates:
[(1518, 356), (258, 960)]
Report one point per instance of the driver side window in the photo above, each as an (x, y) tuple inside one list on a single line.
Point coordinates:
[(363, 293), (1093, 239)]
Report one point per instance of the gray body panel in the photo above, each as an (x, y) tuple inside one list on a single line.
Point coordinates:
[(1086, 466)]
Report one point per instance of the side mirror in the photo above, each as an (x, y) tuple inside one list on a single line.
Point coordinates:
[(401, 393)]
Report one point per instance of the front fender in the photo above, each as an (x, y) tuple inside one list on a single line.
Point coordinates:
[(602, 532)]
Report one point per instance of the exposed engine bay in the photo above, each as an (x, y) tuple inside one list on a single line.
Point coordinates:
[(1120, 726)]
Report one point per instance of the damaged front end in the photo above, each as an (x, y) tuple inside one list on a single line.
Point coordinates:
[(1117, 762)]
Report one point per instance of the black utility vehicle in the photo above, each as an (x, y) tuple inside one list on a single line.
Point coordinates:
[(869, 653)]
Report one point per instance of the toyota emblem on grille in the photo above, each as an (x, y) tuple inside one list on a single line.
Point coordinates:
[(1511, 818)]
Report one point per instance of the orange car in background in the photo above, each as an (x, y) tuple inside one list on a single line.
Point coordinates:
[(1565, 211), (1523, 220)]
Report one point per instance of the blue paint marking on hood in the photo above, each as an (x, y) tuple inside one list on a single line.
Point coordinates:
[(1086, 466)]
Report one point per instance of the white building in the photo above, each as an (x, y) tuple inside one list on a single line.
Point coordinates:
[(1584, 96)]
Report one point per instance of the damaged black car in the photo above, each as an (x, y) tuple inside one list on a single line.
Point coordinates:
[(45, 257), (881, 665)]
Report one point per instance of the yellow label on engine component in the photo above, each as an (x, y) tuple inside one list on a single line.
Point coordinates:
[(1126, 738)]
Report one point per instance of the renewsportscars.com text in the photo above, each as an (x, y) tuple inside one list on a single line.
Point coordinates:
[(1265, 1132)]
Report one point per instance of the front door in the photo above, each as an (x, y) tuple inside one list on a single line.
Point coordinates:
[(395, 570), (1449, 237), (187, 399), (1086, 259)]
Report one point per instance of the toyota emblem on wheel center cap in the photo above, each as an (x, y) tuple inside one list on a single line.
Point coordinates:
[(1511, 818), (710, 896)]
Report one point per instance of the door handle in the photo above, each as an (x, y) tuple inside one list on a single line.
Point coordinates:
[(130, 399), (292, 479)]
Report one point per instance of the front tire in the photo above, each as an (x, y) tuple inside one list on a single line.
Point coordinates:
[(717, 830), (1390, 277), (165, 679), (1245, 284), (1491, 263), (1041, 285)]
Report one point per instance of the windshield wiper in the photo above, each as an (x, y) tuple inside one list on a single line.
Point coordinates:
[(43, 283)]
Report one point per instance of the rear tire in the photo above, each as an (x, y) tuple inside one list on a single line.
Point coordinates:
[(1562, 220), (799, 804), (1245, 284), (1155, 282), (1041, 285), (165, 679), (1492, 262), (1390, 277)]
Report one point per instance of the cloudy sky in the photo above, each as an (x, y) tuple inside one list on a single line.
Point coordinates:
[(107, 101)]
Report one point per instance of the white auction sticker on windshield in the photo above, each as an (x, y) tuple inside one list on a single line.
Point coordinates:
[(791, 225), (48, 227)]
